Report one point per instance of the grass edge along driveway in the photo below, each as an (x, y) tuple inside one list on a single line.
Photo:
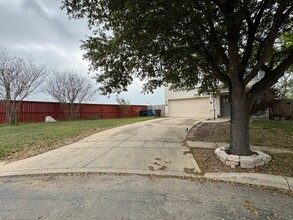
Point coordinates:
[(25, 140)]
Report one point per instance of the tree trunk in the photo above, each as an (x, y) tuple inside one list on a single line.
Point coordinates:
[(9, 111), (239, 128), (8, 114), (72, 111)]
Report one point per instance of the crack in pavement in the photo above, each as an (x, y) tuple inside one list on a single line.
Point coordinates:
[(287, 183)]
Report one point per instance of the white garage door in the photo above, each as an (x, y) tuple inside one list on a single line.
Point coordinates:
[(189, 108)]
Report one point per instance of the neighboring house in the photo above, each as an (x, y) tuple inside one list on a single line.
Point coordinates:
[(188, 104)]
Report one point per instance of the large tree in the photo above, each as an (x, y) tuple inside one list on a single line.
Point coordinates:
[(189, 42)]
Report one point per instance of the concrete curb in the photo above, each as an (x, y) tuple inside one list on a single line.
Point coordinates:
[(280, 182), (100, 170), (255, 179)]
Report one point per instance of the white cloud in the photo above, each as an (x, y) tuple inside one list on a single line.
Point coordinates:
[(41, 29), (43, 48)]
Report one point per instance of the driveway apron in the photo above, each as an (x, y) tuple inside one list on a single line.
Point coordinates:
[(150, 147)]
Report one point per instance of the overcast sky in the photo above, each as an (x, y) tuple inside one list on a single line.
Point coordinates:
[(41, 29)]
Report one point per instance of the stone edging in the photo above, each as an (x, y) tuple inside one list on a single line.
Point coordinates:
[(255, 160)]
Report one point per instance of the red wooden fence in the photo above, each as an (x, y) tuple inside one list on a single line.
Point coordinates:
[(37, 111)]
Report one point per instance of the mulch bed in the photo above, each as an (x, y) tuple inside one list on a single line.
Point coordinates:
[(209, 163), (281, 163), (210, 132)]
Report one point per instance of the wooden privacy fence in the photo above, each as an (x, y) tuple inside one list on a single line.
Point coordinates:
[(37, 111), (282, 109)]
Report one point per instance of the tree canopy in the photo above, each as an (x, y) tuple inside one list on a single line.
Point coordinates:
[(190, 42), (183, 42)]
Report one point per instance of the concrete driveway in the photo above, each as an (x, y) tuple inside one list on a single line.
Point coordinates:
[(150, 147)]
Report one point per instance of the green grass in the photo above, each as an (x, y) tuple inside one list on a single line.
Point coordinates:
[(272, 134), (24, 140), (286, 126), (275, 134)]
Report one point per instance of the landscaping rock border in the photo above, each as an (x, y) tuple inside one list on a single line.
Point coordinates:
[(258, 159)]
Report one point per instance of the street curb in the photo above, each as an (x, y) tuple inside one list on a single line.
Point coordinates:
[(275, 181), (280, 182), (95, 170)]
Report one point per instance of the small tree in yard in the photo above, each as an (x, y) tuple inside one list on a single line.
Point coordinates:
[(267, 100), (189, 42), (18, 79), (70, 90), (123, 105)]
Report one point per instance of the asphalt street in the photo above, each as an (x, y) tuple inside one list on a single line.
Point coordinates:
[(135, 197)]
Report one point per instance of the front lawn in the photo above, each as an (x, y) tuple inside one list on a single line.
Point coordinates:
[(273, 134), (25, 140)]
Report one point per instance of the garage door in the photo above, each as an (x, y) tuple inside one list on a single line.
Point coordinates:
[(189, 108)]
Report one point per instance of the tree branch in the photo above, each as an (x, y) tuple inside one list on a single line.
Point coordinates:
[(216, 70), (269, 41), (252, 27), (214, 39), (271, 77)]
